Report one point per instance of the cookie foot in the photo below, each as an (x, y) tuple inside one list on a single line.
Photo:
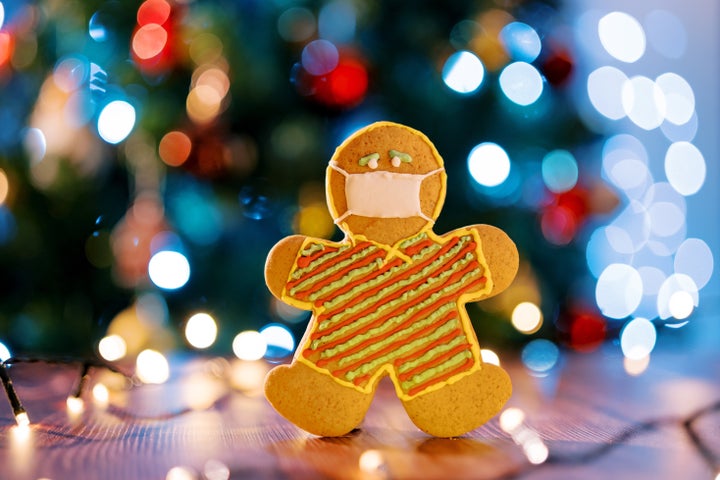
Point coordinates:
[(314, 401), (462, 406)]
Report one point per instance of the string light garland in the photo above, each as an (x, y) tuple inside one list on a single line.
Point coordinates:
[(512, 421), (21, 416)]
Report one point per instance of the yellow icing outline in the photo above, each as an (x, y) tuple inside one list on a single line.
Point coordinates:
[(461, 301)]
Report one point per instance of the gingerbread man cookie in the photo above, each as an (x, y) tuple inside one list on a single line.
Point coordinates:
[(389, 299)]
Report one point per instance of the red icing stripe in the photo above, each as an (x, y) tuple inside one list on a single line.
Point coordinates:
[(466, 365), (433, 362)]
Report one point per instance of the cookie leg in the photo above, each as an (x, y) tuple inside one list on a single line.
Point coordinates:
[(314, 401), (462, 406)]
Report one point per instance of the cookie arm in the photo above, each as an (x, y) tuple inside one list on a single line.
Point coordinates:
[(500, 254), (280, 262)]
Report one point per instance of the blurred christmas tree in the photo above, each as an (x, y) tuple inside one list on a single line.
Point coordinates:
[(185, 138)]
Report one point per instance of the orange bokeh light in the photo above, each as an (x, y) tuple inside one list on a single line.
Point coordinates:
[(6, 47), (174, 148), (149, 41), (153, 11)]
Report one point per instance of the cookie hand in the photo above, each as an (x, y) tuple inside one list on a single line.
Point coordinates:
[(280, 261)]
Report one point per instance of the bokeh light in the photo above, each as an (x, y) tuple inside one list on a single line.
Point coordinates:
[(511, 419), (559, 171), (622, 36), (181, 473), (279, 341), (666, 33), (4, 352), (149, 41), (201, 330), (371, 462), (667, 301), (320, 57), (4, 186), (169, 270), (636, 366), (216, 470), (527, 317), (679, 98), (249, 345), (101, 394), (174, 148), (618, 290), (540, 356), (337, 21), (694, 259), (463, 72), (116, 121), (96, 27), (685, 168), (681, 305), (488, 356), (489, 164), (153, 11), (112, 348), (2, 15), (296, 24), (521, 83), (644, 102), (604, 87), (152, 367), (521, 41), (637, 338)]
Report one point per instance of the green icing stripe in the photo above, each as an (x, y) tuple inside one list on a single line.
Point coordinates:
[(431, 372), (413, 240), (315, 247), (365, 285), (351, 275), (358, 339), (432, 354), (335, 268), (316, 263), (408, 347), (376, 299)]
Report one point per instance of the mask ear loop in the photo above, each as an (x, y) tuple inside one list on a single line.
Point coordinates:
[(341, 171), (424, 176)]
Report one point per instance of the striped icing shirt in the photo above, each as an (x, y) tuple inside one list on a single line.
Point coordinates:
[(399, 311)]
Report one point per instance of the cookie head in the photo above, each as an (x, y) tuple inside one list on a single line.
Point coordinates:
[(385, 182)]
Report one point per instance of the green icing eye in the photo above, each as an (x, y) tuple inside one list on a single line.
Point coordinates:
[(368, 158), (404, 157)]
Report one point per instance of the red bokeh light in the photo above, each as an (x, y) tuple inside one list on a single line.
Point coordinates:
[(6, 47), (153, 11)]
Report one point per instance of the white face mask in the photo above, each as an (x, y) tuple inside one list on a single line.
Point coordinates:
[(383, 194)]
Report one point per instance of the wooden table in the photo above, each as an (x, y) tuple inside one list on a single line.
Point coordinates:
[(211, 421)]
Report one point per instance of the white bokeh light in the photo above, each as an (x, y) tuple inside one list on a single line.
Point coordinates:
[(679, 98), (619, 290), (249, 345), (643, 102), (521, 83), (4, 352), (665, 219), (681, 305), (112, 347), (2, 15), (489, 164), (169, 270), (695, 259), (152, 367), (604, 87), (675, 283), (526, 317), (622, 36), (488, 356), (116, 121), (637, 338), (463, 72), (201, 330), (685, 168)]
